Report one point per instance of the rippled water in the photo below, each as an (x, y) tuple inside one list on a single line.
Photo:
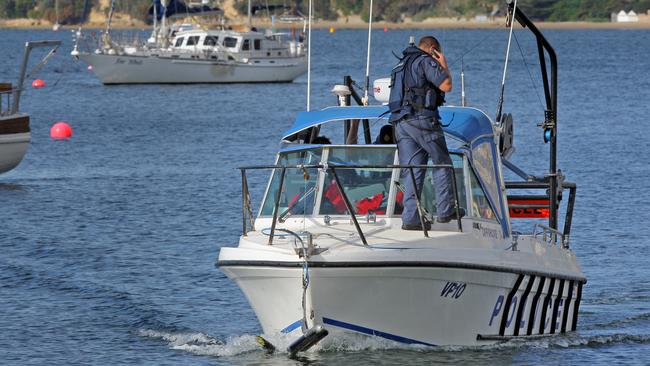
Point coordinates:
[(109, 240)]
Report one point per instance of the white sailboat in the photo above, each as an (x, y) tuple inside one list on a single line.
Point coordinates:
[(196, 55)]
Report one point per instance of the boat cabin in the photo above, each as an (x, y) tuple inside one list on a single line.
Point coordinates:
[(249, 44), (370, 173)]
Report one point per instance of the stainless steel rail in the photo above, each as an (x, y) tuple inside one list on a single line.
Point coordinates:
[(247, 210)]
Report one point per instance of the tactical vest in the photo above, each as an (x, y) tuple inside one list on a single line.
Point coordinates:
[(406, 98)]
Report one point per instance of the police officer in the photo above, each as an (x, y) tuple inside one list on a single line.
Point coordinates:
[(420, 81)]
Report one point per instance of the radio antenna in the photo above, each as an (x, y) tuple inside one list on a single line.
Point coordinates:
[(462, 83), (365, 96), (309, 57), (505, 66)]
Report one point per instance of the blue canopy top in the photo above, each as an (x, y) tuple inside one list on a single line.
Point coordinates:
[(466, 124)]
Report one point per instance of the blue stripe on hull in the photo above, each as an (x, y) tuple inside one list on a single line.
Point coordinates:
[(291, 327), (373, 332)]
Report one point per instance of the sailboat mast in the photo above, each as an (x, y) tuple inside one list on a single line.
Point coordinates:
[(250, 15), (155, 20), (110, 17), (56, 10)]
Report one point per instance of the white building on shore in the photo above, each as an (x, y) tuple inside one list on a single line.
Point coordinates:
[(623, 17)]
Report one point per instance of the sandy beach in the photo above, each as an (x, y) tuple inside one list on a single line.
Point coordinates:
[(352, 22)]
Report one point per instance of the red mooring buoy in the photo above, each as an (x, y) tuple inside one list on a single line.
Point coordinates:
[(38, 83), (61, 130)]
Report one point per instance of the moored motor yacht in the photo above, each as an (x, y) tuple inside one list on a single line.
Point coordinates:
[(326, 250)]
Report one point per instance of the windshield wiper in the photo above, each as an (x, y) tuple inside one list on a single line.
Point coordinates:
[(286, 213)]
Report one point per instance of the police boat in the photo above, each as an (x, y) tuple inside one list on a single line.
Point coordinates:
[(326, 254)]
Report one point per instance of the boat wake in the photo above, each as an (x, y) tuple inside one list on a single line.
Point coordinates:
[(202, 344), (205, 345)]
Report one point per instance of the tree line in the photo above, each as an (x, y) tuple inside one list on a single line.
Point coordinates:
[(76, 11)]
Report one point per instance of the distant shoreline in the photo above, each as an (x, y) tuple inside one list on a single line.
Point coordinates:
[(438, 23)]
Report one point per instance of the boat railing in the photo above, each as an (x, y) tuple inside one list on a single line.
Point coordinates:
[(549, 235), (6, 90), (247, 211), (542, 203)]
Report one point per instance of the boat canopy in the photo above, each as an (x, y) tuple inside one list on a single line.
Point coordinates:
[(465, 124)]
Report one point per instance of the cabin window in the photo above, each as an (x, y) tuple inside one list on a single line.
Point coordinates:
[(480, 204), (366, 189), (258, 44), (247, 45), (230, 42), (192, 41), (483, 164), (428, 194), (211, 41), (298, 195), (179, 42)]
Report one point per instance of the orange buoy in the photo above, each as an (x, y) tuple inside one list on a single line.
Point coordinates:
[(38, 83), (61, 130), (332, 29)]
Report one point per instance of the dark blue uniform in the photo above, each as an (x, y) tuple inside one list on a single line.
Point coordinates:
[(420, 136)]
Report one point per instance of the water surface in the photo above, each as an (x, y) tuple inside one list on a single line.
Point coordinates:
[(109, 239)]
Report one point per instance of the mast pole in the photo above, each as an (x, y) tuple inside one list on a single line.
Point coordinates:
[(250, 15), (110, 17), (56, 10), (155, 20), (365, 95), (309, 56), (462, 83)]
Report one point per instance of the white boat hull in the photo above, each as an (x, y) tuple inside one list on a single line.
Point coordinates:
[(127, 69), (13, 146), (443, 302)]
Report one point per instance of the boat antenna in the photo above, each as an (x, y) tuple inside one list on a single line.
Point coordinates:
[(309, 56), (462, 83), (505, 66), (365, 94)]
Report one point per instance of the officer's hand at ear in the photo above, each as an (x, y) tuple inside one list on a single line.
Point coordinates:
[(439, 57), (446, 85)]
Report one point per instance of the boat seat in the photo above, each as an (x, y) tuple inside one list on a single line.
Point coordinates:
[(356, 194)]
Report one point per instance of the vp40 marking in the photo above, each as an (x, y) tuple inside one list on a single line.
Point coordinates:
[(453, 290)]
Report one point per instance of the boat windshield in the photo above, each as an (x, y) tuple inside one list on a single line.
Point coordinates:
[(298, 195), (313, 191), (483, 162), (367, 189), (428, 193)]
